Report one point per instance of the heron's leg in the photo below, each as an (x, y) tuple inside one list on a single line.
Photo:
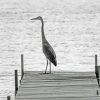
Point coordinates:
[(50, 66), (46, 66)]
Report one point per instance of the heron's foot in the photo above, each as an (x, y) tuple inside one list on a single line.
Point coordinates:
[(47, 73)]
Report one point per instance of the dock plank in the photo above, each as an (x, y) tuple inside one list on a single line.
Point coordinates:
[(58, 86)]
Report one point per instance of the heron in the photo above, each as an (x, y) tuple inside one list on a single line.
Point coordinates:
[(46, 47)]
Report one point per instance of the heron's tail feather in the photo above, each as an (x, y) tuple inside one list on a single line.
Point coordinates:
[(55, 62)]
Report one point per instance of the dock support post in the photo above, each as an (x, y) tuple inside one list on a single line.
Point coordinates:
[(99, 75), (16, 81), (95, 60), (96, 70), (8, 97), (22, 66)]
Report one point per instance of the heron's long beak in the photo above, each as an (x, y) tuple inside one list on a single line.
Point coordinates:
[(33, 18)]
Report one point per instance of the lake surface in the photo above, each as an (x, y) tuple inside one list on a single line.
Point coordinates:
[(71, 27)]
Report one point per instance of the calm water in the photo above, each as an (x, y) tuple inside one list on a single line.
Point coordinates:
[(71, 26)]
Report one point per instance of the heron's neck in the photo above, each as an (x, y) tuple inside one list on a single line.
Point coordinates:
[(42, 30)]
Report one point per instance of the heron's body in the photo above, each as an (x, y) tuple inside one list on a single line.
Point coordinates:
[(47, 48), (49, 52)]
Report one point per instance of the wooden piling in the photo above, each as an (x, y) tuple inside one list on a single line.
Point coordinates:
[(96, 70), (95, 60), (8, 98), (99, 75), (22, 66), (16, 82)]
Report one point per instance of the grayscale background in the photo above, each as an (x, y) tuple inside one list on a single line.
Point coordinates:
[(72, 27)]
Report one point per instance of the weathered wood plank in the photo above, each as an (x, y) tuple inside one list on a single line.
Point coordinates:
[(91, 98)]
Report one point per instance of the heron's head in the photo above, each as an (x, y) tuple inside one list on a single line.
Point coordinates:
[(37, 18)]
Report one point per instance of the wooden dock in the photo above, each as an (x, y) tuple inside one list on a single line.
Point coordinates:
[(58, 86)]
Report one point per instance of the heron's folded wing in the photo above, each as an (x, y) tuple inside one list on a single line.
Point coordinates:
[(49, 51)]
